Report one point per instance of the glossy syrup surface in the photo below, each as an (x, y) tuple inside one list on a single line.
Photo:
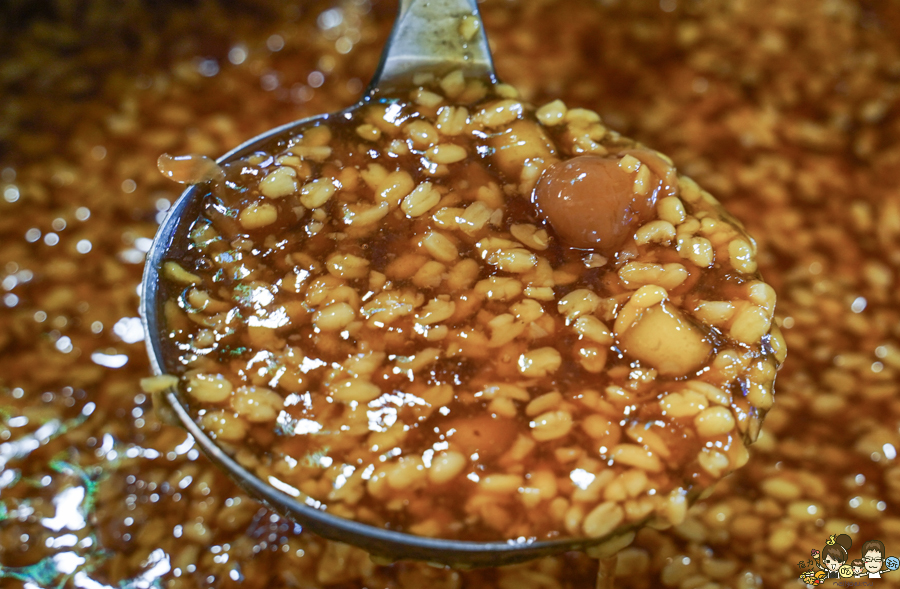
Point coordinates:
[(782, 110), (451, 313)]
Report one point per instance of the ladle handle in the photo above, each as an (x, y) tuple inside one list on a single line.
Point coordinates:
[(437, 36)]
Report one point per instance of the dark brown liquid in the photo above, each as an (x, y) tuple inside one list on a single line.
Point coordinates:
[(782, 110), (274, 281)]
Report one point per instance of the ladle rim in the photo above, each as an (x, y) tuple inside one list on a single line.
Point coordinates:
[(389, 544)]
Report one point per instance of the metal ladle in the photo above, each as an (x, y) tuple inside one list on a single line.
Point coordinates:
[(425, 38)]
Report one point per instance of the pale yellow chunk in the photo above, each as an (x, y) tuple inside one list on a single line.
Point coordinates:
[(664, 339), (158, 384), (256, 216), (209, 388), (257, 404), (278, 183)]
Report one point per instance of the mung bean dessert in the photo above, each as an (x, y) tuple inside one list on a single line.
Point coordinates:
[(451, 313), (786, 111)]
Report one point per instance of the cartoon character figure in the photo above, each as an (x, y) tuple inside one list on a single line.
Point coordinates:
[(858, 565), (873, 556), (813, 578), (875, 561), (835, 554)]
